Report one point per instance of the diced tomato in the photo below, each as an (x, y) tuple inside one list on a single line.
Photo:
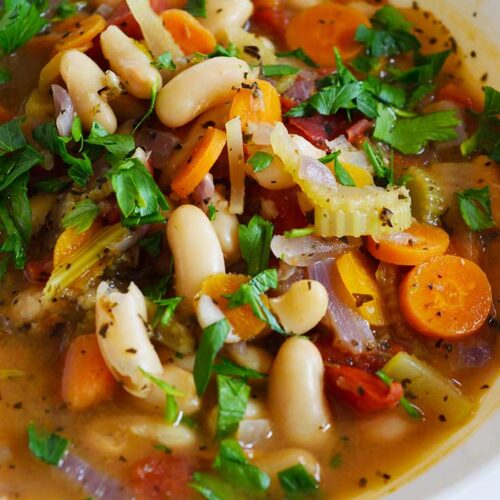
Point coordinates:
[(38, 271), (361, 390), (452, 92), (161, 476), (289, 215), (356, 133), (123, 18), (5, 114), (318, 129), (270, 14)]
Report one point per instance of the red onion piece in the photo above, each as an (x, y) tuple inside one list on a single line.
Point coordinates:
[(307, 250), (65, 110), (352, 332), (97, 485), (303, 87), (287, 276), (204, 192), (160, 143), (313, 170), (130, 240)]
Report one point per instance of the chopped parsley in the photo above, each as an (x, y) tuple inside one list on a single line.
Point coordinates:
[(250, 293), (149, 111), (232, 397), (46, 446), (211, 212), (152, 244), (300, 55), (260, 161), (52, 185), (381, 169), (425, 68), (487, 137), (196, 8), (475, 207), (118, 145), (164, 61), (165, 311), (255, 244), (272, 70), (67, 8), (297, 482), (82, 216), (298, 233), (226, 367), (211, 342), (220, 51)]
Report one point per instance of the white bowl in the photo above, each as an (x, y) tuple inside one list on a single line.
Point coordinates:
[(471, 464)]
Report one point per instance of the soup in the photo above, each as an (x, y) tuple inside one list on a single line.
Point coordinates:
[(249, 249)]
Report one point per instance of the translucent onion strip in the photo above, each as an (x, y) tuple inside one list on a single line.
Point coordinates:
[(236, 165)]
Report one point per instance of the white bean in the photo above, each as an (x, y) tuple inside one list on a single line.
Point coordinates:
[(183, 381), (175, 437), (226, 227), (274, 177), (301, 307), (223, 15), (199, 88), (129, 62), (121, 320), (279, 460), (296, 398), (196, 251), (84, 79), (386, 428), (250, 356)]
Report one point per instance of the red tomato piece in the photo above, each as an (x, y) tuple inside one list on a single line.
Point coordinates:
[(361, 390), (271, 15), (356, 133), (161, 476), (38, 271)]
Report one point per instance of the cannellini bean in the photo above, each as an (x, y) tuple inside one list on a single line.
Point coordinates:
[(84, 79), (199, 88), (226, 227), (41, 204), (183, 381), (185, 362), (196, 251), (173, 436), (296, 398), (273, 177), (226, 14), (121, 320), (302, 307), (208, 312), (386, 428), (279, 460), (129, 62), (250, 356)]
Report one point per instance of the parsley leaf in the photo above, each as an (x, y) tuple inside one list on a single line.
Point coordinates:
[(390, 34), (67, 8), (250, 293), (380, 168), (164, 61), (211, 212), (50, 448), (232, 397), (255, 243), (226, 367), (487, 136), (149, 111), (5, 76), (300, 55), (425, 69), (270, 70), (118, 145), (16, 164), (82, 216), (297, 482), (139, 197), (211, 342), (21, 20), (233, 466), (260, 161), (220, 51), (11, 137), (165, 310), (214, 488), (197, 8), (298, 233), (152, 244), (475, 207), (410, 135), (342, 175), (52, 185)]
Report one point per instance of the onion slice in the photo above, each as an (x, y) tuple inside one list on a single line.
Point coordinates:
[(236, 165), (352, 332), (65, 110)]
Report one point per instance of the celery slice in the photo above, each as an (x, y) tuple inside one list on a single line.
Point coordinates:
[(98, 248), (431, 388)]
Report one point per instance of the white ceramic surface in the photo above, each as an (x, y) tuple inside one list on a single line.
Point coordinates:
[(472, 468)]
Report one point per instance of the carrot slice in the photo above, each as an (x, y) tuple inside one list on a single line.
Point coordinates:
[(418, 243), (446, 297), (86, 380), (322, 27), (200, 162), (70, 241), (188, 32), (259, 103), (85, 31), (242, 319)]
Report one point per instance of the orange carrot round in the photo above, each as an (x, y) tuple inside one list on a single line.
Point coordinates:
[(447, 297), (84, 32), (70, 241), (418, 243), (322, 27), (258, 104), (86, 380), (188, 32), (242, 319), (200, 162)]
